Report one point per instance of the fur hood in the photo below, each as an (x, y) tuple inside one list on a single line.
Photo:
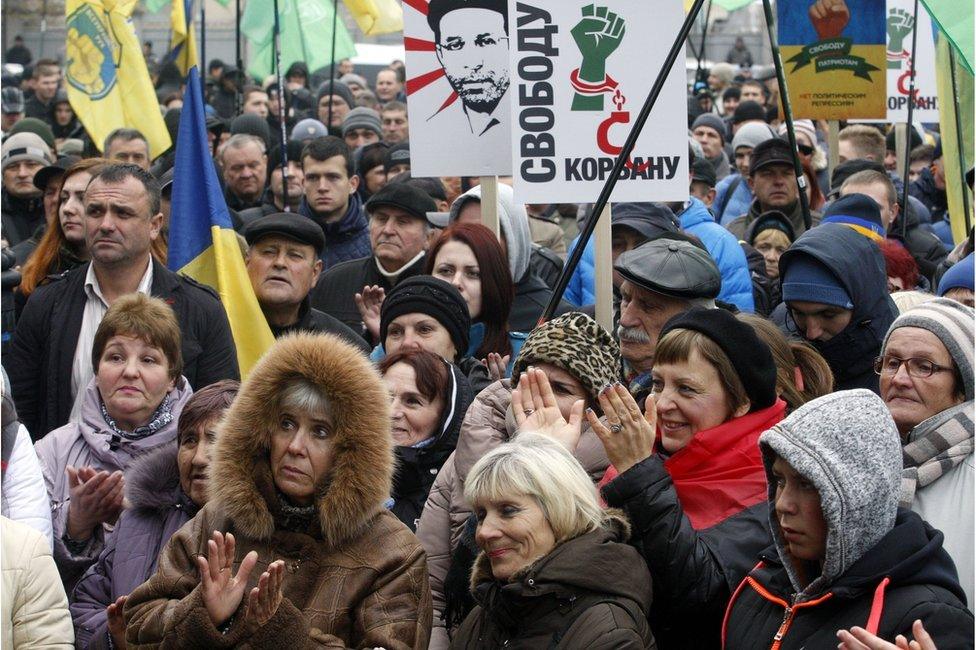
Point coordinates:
[(152, 482), (362, 463)]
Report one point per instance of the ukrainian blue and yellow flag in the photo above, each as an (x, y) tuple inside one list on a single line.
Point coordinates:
[(183, 42), (202, 241), (107, 79)]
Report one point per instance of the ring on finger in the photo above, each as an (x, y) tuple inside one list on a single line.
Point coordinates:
[(528, 412), (615, 428)]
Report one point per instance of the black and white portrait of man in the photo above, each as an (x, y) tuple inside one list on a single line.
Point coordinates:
[(471, 44)]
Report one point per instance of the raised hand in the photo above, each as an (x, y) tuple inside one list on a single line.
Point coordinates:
[(369, 303), (629, 439), (535, 409), (829, 17), (222, 591), (263, 601), (95, 498), (860, 639), (116, 625), (497, 365)]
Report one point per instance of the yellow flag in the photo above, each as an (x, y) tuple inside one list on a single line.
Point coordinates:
[(184, 42), (107, 79), (376, 16)]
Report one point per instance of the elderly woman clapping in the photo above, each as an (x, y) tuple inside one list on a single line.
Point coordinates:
[(554, 569), (295, 549), (131, 406)]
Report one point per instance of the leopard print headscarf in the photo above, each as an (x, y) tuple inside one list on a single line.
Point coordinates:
[(577, 344)]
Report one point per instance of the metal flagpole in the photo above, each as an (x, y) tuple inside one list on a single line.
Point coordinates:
[(282, 107), (604, 198), (335, 22), (701, 48), (238, 62), (908, 131), (801, 180)]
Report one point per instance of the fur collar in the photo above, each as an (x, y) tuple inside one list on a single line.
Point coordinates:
[(152, 482), (362, 464)]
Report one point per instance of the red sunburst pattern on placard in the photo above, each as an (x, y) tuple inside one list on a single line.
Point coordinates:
[(420, 81)]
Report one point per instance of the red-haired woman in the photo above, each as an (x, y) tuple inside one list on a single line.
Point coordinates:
[(468, 256), (900, 267)]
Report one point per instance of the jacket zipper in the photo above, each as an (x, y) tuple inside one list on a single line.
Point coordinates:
[(790, 612)]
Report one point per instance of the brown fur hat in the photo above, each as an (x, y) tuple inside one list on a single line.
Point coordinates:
[(362, 462)]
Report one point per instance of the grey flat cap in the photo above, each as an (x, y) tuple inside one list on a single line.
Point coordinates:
[(671, 267)]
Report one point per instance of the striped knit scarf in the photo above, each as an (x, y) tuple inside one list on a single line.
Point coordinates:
[(936, 446)]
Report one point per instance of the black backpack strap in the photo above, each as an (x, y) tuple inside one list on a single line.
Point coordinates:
[(579, 606), (733, 186)]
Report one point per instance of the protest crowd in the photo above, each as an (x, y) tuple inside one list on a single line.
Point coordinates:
[(770, 446)]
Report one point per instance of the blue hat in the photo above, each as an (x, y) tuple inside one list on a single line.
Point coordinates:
[(959, 276), (858, 211), (808, 280)]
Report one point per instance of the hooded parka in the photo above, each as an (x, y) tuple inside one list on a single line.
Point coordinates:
[(592, 591), (354, 575)]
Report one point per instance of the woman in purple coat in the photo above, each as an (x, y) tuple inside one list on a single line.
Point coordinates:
[(164, 489)]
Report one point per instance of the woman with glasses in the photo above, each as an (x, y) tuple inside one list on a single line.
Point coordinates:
[(926, 369)]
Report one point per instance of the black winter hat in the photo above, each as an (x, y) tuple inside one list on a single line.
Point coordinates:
[(750, 356), (287, 224), (647, 219), (771, 220), (251, 124), (425, 294), (847, 169), (748, 110), (399, 154), (775, 151), (412, 200)]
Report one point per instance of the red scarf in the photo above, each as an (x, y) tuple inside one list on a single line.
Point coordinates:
[(720, 472)]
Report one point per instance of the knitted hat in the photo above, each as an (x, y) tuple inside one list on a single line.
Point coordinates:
[(750, 135), (847, 169), (577, 344), (352, 77), (362, 117), (724, 71), (12, 100), (252, 125), (25, 146), (858, 211), (913, 136), (952, 323), (748, 110), (35, 126), (399, 154), (309, 129), (335, 87), (959, 276), (703, 171), (750, 356), (807, 279), (805, 127), (770, 220), (425, 294), (712, 121)]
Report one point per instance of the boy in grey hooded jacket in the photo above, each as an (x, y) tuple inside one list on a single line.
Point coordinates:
[(877, 566)]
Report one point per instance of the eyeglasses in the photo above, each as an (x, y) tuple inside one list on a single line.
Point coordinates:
[(918, 368), (805, 150)]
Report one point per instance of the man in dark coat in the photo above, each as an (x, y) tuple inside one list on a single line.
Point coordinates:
[(398, 234), (835, 295), (283, 264), (50, 362), (24, 154)]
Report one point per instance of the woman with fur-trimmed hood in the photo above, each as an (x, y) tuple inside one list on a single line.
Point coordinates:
[(303, 467)]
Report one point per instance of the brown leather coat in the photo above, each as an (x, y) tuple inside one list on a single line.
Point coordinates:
[(487, 425), (355, 576)]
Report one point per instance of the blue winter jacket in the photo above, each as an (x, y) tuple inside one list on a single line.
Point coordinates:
[(725, 250), (738, 204), (345, 239), (582, 284)]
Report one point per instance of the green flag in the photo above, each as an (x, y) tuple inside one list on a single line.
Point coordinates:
[(955, 19), (306, 35), (153, 6)]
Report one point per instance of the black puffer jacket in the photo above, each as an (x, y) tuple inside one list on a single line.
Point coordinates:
[(926, 248), (417, 467), (22, 218), (905, 576), (694, 571), (592, 591)]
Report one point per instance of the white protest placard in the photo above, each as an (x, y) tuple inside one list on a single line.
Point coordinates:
[(458, 87), (899, 25), (580, 73)]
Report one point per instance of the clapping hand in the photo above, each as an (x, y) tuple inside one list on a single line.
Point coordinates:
[(116, 624), (96, 498), (222, 591), (369, 303), (535, 408), (860, 639), (263, 601), (629, 438), (497, 365)]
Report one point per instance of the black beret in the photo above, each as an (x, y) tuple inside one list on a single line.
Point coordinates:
[(750, 356), (287, 224), (412, 200), (671, 267)]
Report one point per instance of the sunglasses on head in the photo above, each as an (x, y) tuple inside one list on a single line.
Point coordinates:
[(804, 149)]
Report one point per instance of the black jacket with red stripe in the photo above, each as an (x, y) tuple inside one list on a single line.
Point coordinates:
[(906, 576)]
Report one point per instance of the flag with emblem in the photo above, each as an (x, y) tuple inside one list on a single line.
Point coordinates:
[(202, 241), (105, 73)]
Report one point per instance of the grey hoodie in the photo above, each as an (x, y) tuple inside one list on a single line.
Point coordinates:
[(514, 222), (846, 444)]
